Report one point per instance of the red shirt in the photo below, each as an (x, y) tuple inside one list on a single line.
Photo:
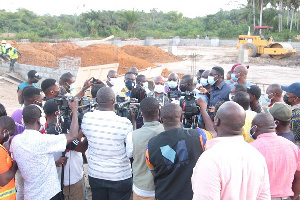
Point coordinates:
[(283, 160)]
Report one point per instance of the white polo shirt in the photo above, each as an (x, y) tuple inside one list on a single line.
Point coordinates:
[(33, 153), (106, 133)]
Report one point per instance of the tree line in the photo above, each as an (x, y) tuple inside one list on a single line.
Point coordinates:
[(283, 15)]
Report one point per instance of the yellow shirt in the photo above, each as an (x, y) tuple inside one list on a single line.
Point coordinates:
[(246, 128)]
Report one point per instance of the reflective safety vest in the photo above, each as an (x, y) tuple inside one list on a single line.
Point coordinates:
[(13, 53), (2, 49), (7, 192)]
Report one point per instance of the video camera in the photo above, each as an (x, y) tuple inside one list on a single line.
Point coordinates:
[(85, 105), (189, 107), (123, 107)]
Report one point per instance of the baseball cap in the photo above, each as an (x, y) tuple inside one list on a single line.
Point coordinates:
[(254, 90), (281, 111), (33, 74), (294, 88)]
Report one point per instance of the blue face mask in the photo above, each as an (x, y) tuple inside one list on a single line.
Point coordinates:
[(130, 84), (251, 135), (211, 80), (234, 78), (204, 82), (267, 98)]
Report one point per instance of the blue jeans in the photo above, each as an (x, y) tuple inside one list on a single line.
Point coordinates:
[(110, 190)]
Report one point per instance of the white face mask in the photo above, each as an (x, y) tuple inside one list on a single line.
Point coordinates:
[(172, 84), (112, 81), (195, 80), (159, 88), (145, 85), (72, 87)]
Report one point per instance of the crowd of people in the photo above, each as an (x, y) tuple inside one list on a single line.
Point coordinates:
[(198, 137)]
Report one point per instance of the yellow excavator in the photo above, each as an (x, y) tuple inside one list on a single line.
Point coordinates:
[(258, 45)]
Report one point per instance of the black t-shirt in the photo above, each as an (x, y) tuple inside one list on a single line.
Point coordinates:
[(174, 154), (51, 129)]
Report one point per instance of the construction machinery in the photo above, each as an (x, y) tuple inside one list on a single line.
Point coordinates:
[(258, 45)]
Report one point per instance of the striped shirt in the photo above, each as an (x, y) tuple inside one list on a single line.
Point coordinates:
[(106, 133)]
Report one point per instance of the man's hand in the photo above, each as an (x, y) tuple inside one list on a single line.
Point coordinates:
[(211, 109), (62, 161), (88, 83), (73, 105), (201, 103), (202, 90)]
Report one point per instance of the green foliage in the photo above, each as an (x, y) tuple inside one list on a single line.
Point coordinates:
[(124, 24)]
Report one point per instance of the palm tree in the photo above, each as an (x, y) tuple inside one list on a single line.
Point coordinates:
[(131, 17)]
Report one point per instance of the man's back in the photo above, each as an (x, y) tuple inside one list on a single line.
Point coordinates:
[(172, 155), (142, 177), (231, 169), (34, 155), (282, 157), (106, 134)]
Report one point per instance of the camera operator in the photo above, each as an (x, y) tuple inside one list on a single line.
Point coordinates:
[(73, 170), (159, 91), (33, 153), (109, 167)]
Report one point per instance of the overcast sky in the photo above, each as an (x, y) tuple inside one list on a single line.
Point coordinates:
[(189, 8)]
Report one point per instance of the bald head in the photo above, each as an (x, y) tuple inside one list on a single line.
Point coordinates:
[(173, 77), (134, 70), (105, 98), (171, 115), (264, 122), (230, 119), (240, 69), (159, 80), (275, 89), (112, 74)]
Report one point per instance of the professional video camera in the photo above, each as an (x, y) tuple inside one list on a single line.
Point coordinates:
[(123, 107), (189, 107), (85, 105)]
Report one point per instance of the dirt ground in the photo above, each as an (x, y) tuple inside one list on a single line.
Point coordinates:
[(263, 71)]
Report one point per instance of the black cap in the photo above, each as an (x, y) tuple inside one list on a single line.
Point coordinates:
[(33, 74), (254, 90)]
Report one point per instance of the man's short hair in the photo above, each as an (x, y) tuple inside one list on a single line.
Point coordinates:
[(171, 112), (66, 77), (149, 107), (201, 71), (2, 110), (105, 95), (219, 70), (50, 107), (95, 89), (243, 99), (30, 91), (47, 83), (8, 123), (30, 114), (240, 88), (140, 77)]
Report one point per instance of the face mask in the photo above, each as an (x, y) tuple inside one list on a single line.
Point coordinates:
[(195, 80), (231, 97), (145, 85), (112, 81), (267, 98), (130, 84), (251, 135), (159, 88), (275, 124), (172, 84), (7, 136), (285, 99), (234, 78), (211, 80), (72, 87), (203, 82), (198, 85)]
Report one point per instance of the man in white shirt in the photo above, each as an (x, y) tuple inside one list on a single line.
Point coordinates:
[(230, 168), (109, 167), (33, 153)]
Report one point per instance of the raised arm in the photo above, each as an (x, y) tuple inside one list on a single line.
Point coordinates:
[(73, 134)]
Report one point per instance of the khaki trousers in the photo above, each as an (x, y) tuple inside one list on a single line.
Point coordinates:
[(137, 197)]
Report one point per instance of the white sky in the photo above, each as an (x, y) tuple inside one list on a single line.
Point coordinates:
[(189, 8)]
